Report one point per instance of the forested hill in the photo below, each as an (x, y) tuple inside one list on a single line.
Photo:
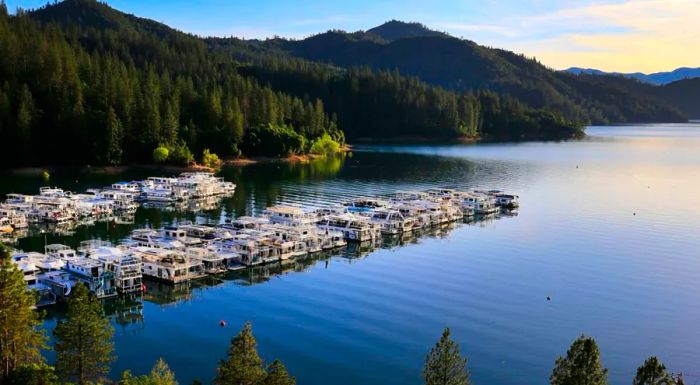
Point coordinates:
[(683, 93), (82, 83), (462, 65)]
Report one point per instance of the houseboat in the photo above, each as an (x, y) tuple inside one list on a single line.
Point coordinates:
[(353, 227), (481, 204), (26, 264), (169, 266), (290, 215), (120, 261), (391, 222)]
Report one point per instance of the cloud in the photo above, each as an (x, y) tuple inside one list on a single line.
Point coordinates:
[(627, 35), (634, 35)]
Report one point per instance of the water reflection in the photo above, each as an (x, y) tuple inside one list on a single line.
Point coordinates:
[(127, 312)]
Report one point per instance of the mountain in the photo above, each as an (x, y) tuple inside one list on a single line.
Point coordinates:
[(108, 88), (464, 66), (657, 78), (685, 94), (395, 30)]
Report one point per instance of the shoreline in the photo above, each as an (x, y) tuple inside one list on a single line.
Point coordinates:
[(419, 139), (107, 170)]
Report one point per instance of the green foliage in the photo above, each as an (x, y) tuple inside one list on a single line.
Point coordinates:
[(83, 340), (108, 88), (161, 154), (180, 154), (210, 159), (324, 145), (653, 372), (33, 374), (129, 379), (277, 375), (115, 136), (581, 366), (444, 365), (160, 375), (20, 336), (273, 140), (243, 365), (385, 104), (463, 66)]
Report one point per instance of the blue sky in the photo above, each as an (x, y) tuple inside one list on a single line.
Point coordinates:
[(620, 35)]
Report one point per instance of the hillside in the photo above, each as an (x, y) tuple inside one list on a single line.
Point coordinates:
[(395, 30), (683, 93), (462, 65), (109, 88)]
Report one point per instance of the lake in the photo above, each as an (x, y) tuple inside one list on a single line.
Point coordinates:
[(608, 227)]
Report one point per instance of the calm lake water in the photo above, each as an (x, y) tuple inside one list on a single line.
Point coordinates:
[(609, 228)]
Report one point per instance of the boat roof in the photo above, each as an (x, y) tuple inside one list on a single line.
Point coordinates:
[(285, 209)]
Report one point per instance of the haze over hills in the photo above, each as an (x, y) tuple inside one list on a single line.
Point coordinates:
[(653, 78)]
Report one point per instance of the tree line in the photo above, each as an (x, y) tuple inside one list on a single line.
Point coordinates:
[(82, 83), (86, 95), (84, 350), (462, 66), (385, 104)]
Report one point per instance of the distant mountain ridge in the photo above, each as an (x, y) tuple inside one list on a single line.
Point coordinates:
[(656, 78), (434, 57), (464, 66), (394, 30)]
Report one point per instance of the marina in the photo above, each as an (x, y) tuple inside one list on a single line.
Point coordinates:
[(185, 251), (56, 210), (486, 277)]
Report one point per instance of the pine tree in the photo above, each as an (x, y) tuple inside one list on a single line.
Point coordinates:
[(444, 365), (25, 115), (161, 374), (21, 340), (277, 375), (237, 123), (83, 340), (170, 125), (114, 138), (33, 374), (653, 372), (581, 366), (243, 365)]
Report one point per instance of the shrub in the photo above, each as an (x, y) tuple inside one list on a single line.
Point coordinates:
[(325, 145), (273, 140), (181, 154), (210, 159), (160, 154)]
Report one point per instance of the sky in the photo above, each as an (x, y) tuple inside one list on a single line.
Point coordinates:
[(611, 35)]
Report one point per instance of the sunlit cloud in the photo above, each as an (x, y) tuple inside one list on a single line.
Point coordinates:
[(635, 35)]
